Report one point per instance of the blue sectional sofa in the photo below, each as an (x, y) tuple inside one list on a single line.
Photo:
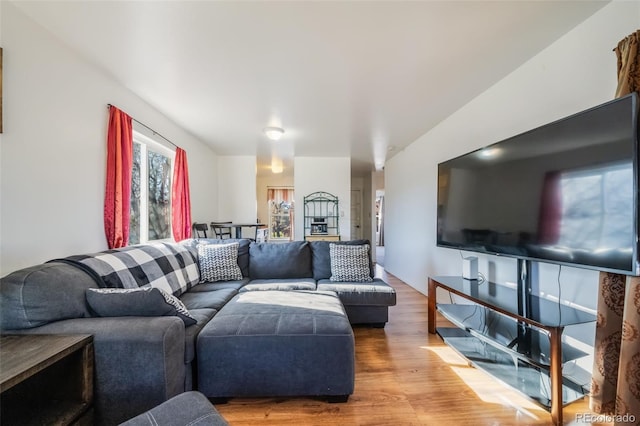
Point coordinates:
[(146, 344)]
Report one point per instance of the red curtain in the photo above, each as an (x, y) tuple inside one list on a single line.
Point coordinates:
[(550, 215), (118, 186), (180, 198)]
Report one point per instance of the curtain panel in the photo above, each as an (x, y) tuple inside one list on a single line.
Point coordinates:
[(615, 384), (550, 215), (118, 180), (180, 198), (628, 55), (280, 194)]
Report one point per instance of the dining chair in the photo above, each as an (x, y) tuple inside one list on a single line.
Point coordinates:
[(220, 230), (200, 229)]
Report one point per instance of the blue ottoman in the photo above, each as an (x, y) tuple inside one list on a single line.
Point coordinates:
[(185, 409), (278, 343)]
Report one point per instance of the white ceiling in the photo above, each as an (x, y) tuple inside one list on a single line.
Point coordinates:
[(343, 78)]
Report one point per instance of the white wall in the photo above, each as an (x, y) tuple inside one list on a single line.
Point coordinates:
[(575, 73), (327, 174), (53, 152), (237, 190)]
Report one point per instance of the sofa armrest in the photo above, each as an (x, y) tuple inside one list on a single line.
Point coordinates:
[(139, 361)]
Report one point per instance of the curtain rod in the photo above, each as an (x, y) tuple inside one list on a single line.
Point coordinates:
[(149, 128)]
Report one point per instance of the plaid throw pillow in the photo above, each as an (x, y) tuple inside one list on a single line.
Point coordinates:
[(349, 263), (219, 262)]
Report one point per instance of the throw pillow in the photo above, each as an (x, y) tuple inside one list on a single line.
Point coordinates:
[(349, 263), (218, 262), (144, 301)]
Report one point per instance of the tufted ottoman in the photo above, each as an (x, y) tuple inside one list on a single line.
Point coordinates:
[(277, 343)]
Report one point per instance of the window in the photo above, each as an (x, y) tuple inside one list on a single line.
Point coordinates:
[(150, 191), (281, 217), (597, 207)]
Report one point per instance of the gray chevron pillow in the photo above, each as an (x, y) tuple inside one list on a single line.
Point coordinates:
[(219, 262), (349, 263)]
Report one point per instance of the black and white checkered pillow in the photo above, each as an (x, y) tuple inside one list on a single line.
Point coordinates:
[(144, 301), (219, 262), (168, 266), (349, 263)]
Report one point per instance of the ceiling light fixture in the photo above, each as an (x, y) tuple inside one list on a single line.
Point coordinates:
[(274, 133), (276, 165)]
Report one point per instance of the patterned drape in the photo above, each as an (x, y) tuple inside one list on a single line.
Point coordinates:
[(615, 386), (628, 55), (118, 182), (180, 198)]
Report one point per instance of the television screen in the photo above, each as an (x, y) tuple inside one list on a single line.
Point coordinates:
[(566, 192)]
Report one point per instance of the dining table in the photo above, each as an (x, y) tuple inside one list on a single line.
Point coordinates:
[(237, 226)]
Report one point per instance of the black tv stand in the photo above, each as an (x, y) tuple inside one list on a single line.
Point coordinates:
[(512, 334)]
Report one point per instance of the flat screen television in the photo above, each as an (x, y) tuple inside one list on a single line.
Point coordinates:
[(565, 192)]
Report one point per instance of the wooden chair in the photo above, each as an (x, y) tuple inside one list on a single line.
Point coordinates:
[(200, 230), (220, 230)]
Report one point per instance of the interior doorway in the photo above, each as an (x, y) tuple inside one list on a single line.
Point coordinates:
[(356, 214), (380, 218), (281, 214)]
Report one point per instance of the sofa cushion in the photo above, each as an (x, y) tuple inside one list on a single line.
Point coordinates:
[(144, 301), (349, 263), (219, 285), (208, 299), (219, 262), (374, 293), (321, 258), (286, 284), (42, 294), (280, 260), (243, 249), (202, 317)]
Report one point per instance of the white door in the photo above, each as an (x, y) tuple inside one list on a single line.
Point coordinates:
[(356, 214)]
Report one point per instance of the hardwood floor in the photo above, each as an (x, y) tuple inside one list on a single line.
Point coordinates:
[(405, 376)]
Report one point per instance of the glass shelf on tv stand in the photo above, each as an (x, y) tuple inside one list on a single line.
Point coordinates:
[(526, 353), (490, 341)]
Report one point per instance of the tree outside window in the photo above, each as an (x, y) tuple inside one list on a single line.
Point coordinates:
[(150, 191)]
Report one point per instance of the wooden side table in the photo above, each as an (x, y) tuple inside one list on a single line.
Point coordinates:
[(46, 379)]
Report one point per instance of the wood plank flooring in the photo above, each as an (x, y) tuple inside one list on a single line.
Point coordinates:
[(405, 376)]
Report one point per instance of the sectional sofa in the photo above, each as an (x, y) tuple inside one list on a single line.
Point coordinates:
[(167, 317)]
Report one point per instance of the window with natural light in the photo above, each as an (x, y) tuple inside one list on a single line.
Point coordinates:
[(596, 206), (150, 191)]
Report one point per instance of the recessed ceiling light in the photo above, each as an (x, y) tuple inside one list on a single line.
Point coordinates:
[(273, 133)]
